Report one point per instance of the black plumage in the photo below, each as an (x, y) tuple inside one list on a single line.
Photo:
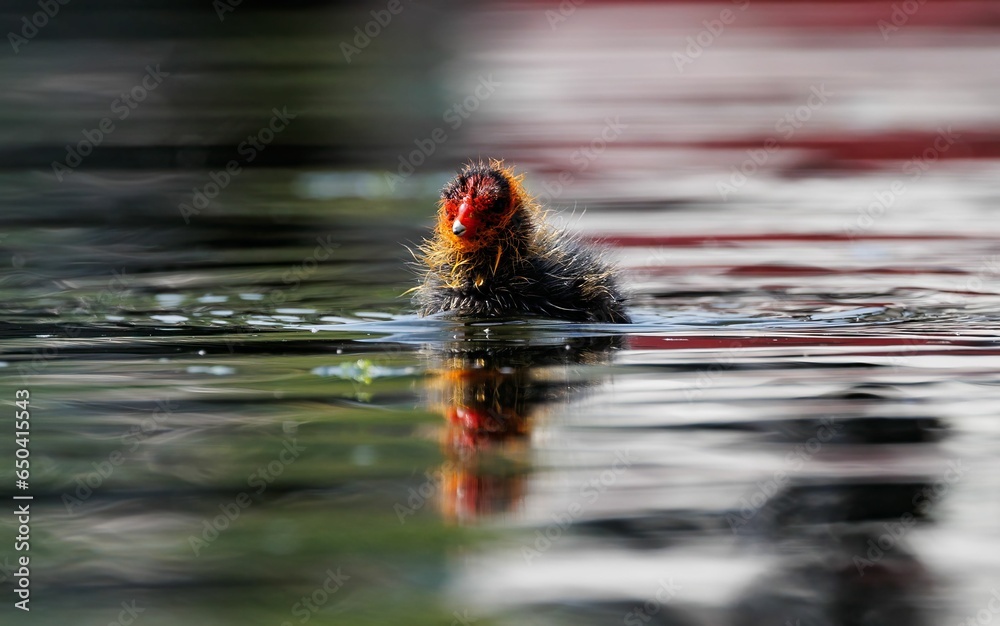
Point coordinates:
[(515, 264)]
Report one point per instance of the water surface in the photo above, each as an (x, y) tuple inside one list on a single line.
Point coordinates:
[(237, 418)]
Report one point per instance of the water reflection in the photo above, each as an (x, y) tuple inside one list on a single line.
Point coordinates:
[(858, 252), (824, 538), (818, 582), (489, 394), (843, 542)]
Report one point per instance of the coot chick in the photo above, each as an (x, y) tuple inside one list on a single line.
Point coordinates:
[(493, 255)]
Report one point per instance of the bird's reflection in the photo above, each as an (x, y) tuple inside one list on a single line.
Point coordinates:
[(489, 392)]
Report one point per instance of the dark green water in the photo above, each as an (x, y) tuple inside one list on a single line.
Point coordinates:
[(235, 417)]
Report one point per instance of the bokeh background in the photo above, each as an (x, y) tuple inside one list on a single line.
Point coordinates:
[(206, 214)]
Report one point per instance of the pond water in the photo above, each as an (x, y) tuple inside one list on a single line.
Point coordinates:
[(236, 418)]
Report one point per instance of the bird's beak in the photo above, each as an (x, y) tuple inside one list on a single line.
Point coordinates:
[(464, 222)]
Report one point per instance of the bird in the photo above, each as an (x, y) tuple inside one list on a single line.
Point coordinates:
[(493, 255)]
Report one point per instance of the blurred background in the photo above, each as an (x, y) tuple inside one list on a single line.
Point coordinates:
[(236, 418)]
